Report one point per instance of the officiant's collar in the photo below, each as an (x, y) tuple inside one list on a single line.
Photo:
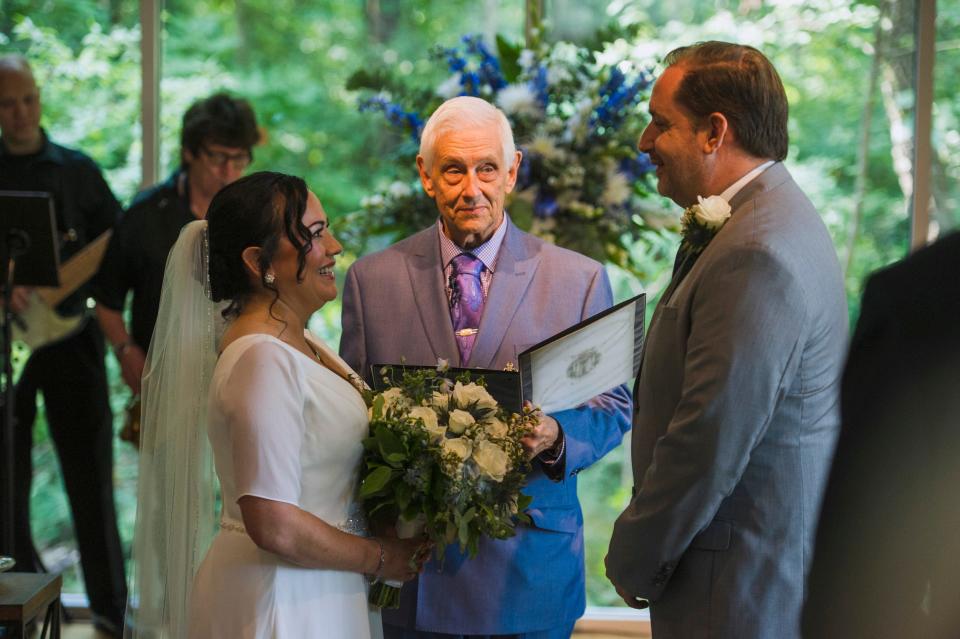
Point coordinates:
[(486, 252)]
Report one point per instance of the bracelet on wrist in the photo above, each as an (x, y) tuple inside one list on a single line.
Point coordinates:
[(377, 575)]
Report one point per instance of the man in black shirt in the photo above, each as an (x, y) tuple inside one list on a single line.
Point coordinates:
[(70, 372), (216, 147)]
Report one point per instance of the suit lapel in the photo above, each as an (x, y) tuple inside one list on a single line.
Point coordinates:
[(770, 178), (515, 270), (429, 295)]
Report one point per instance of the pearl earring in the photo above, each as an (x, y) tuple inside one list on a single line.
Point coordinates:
[(269, 278)]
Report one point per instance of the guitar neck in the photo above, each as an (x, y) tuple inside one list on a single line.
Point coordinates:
[(76, 271)]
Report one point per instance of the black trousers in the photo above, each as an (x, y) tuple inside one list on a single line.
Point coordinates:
[(73, 380)]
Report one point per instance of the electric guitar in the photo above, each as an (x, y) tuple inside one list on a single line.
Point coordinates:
[(40, 325)]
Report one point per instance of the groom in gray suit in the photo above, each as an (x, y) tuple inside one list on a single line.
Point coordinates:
[(478, 291), (737, 400)]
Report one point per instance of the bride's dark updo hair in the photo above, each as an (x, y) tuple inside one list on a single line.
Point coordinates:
[(254, 211)]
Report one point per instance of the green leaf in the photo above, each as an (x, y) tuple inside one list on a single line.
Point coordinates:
[(464, 528), (523, 502), (377, 408), (509, 58), (376, 481), (391, 447)]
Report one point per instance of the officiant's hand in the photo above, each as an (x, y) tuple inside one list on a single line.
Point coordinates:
[(543, 436), (403, 558)]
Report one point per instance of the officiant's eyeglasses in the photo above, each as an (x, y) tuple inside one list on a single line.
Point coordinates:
[(219, 159)]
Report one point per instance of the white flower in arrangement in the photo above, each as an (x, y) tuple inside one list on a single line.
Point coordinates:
[(399, 189), (426, 414), (449, 88), (526, 59), (546, 148), (459, 420), (544, 227), (439, 400), (557, 74), (495, 427), (711, 212), (617, 189), (518, 99), (491, 460), (393, 398), (459, 446), (466, 394), (565, 52)]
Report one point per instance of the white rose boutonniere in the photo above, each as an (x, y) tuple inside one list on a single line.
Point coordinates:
[(702, 221)]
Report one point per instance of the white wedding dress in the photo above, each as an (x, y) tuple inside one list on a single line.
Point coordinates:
[(284, 428)]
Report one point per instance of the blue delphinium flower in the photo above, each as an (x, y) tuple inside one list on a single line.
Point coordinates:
[(524, 171), (395, 114), (545, 204), (540, 86), (617, 95), (636, 166)]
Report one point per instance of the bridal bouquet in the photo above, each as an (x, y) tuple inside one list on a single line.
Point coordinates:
[(444, 457)]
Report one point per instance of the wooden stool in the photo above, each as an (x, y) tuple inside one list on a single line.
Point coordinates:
[(23, 596)]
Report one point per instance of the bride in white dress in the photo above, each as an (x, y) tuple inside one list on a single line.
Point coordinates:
[(289, 551)]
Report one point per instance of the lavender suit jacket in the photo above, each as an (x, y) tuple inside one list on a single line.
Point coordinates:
[(395, 306)]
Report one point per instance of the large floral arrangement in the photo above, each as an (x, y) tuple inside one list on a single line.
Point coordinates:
[(445, 454), (576, 116)]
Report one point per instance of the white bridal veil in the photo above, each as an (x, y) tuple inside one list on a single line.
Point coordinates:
[(175, 497)]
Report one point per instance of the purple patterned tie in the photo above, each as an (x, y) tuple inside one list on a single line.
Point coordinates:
[(466, 301)]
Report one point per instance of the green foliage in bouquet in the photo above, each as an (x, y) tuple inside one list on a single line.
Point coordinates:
[(576, 114), (444, 452)]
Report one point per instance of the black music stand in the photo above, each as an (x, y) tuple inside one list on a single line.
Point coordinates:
[(29, 256)]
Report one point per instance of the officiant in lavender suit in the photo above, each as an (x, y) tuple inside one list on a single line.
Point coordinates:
[(477, 291), (737, 398)]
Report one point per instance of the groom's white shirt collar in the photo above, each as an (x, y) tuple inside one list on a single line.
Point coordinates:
[(735, 188)]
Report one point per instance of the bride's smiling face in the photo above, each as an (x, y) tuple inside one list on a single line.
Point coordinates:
[(318, 285)]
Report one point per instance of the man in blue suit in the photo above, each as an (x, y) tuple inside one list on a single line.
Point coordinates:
[(477, 291)]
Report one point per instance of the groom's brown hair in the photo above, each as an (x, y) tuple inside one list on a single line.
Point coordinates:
[(739, 82)]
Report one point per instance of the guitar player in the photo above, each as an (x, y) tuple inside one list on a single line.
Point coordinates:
[(217, 140), (70, 372)]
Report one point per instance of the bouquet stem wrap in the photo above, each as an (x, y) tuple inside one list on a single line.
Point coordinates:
[(386, 594)]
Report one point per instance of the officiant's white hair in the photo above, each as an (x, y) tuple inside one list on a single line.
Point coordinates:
[(465, 112)]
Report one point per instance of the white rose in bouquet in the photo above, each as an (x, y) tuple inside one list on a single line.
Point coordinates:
[(491, 459), (466, 394), (711, 212), (430, 422), (393, 398), (439, 400), (495, 427), (459, 446), (459, 420)]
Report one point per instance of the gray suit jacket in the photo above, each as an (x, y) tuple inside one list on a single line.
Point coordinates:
[(735, 424), (395, 306)]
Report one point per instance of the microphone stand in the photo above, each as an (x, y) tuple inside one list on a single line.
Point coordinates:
[(15, 244)]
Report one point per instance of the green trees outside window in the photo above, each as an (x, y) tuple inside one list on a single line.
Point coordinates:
[(847, 67)]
